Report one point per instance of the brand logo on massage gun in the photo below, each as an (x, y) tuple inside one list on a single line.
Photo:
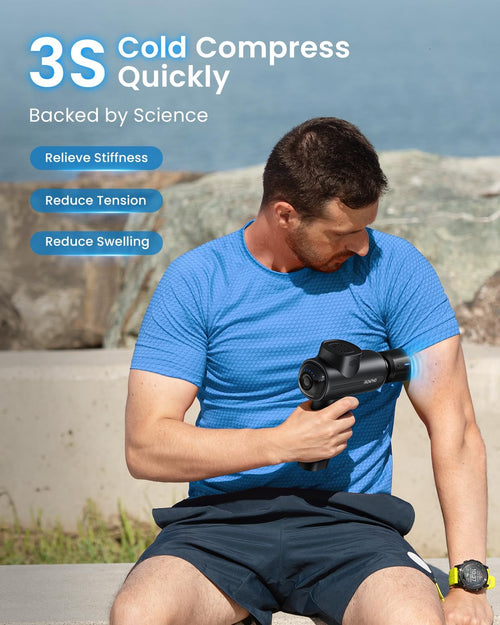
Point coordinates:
[(342, 368)]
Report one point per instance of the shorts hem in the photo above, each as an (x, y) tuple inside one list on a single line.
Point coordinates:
[(260, 617), (366, 573)]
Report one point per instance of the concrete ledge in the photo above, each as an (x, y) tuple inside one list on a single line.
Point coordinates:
[(82, 594)]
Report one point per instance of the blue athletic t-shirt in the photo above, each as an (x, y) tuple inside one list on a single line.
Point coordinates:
[(240, 331)]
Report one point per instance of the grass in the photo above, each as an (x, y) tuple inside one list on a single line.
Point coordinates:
[(95, 540)]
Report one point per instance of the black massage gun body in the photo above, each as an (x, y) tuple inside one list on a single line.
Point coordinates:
[(342, 369)]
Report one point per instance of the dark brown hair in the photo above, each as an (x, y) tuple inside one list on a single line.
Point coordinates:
[(322, 159)]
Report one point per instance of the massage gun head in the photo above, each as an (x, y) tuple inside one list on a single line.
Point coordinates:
[(341, 368)]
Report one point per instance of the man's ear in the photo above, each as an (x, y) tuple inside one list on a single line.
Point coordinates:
[(285, 215)]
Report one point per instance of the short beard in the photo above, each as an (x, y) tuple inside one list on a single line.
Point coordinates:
[(299, 244)]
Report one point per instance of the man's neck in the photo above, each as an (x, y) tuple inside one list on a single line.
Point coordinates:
[(266, 243)]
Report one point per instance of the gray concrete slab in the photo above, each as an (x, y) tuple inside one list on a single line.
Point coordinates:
[(81, 594)]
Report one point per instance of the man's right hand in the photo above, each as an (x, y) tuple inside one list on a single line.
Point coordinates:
[(160, 446), (310, 435)]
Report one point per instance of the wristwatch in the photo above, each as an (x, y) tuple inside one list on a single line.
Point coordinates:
[(471, 575)]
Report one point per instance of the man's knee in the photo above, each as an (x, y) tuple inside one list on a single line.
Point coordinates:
[(125, 610), (166, 590), (393, 596), (129, 608), (139, 600)]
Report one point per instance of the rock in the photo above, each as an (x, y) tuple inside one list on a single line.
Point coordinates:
[(56, 302), (192, 214), (479, 320), (157, 179), (447, 207), (11, 323)]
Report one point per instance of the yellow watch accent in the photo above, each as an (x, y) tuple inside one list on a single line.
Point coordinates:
[(453, 578), (441, 596)]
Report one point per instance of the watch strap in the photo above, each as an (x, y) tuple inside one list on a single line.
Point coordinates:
[(453, 578)]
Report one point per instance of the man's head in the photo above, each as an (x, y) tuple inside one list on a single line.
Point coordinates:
[(320, 160)]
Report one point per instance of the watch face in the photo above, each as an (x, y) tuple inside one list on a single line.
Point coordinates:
[(474, 575)]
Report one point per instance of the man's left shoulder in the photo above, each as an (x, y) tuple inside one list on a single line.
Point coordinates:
[(389, 242), (394, 250)]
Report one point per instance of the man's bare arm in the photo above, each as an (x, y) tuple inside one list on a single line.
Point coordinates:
[(441, 397), (161, 446)]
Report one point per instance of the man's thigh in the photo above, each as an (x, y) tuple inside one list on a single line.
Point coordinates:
[(163, 590), (393, 596)]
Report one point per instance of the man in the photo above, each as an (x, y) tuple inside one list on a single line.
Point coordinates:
[(230, 323)]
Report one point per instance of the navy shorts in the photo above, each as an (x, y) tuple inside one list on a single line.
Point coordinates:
[(297, 551)]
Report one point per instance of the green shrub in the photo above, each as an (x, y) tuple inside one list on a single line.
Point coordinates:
[(94, 541)]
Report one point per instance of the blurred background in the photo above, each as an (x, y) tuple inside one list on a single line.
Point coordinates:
[(420, 75), (422, 81)]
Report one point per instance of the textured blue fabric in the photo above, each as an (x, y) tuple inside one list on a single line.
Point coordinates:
[(240, 331)]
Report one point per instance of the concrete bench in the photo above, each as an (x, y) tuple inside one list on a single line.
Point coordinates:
[(81, 594)]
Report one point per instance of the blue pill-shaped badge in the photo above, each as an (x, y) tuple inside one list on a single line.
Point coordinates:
[(96, 243), (96, 200), (96, 158)]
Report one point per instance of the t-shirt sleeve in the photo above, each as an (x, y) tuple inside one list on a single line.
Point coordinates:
[(172, 340), (418, 313)]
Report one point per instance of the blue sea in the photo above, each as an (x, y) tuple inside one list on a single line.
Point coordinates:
[(422, 75)]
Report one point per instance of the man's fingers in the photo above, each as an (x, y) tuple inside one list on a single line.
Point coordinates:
[(341, 407), (347, 420)]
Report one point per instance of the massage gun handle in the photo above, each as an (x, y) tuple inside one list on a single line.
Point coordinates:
[(314, 466), (319, 465)]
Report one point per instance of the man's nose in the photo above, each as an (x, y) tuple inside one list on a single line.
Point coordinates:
[(359, 243)]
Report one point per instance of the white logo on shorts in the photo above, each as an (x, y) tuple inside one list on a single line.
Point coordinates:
[(418, 560)]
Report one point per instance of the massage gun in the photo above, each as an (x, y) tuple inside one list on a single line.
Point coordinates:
[(342, 369)]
